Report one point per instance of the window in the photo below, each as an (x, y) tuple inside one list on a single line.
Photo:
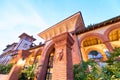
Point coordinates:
[(95, 55), (50, 66), (27, 39), (25, 45)]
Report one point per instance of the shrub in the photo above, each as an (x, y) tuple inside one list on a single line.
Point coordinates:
[(110, 72), (5, 69), (28, 73)]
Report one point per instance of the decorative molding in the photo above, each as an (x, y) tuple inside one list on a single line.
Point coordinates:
[(59, 55)]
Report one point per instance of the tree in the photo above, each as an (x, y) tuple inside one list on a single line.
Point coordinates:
[(110, 72), (28, 73), (87, 71), (5, 69)]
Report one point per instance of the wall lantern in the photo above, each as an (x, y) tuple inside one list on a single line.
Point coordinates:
[(21, 62)]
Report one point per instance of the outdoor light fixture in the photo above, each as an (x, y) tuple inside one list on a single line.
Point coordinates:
[(21, 62)]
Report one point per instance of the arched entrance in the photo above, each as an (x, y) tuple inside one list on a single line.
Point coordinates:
[(49, 70), (44, 68)]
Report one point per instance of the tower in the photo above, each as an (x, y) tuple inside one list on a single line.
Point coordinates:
[(25, 42)]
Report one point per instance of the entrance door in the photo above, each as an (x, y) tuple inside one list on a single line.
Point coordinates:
[(50, 66)]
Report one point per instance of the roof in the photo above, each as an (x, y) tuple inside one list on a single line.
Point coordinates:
[(102, 24), (9, 45), (36, 46), (24, 34), (66, 25)]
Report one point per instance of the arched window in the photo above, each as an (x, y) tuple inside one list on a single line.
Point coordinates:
[(95, 55), (50, 66)]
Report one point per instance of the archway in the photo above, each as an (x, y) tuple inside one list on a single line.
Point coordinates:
[(44, 60), (109, 33), (49, 70), (37, 54), (91, 35), (98, 39), (30, 59), (92, 43), (109, 30), (114, 35)]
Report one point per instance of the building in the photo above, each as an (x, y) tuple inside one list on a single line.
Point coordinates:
[(11, 50), (67, 43)]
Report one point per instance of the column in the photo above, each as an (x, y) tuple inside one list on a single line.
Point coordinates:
[(108, 45), (62, 66), (76, 54)]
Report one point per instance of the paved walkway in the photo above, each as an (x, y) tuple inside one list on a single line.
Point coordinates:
[(3, 77)]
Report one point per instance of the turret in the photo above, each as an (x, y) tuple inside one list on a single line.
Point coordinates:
[(25, 42)]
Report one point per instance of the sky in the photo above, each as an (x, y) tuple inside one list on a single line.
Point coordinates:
[(34, 16)]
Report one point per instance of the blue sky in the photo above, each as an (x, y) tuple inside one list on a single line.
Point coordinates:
[(34, 16)]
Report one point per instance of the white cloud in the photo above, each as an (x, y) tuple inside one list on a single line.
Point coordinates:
[(14, 16)]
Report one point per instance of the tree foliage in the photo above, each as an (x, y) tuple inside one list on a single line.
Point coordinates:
[(28, 73), (90, 70), (5, 69)]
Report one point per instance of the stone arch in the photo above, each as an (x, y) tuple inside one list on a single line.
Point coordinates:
[(96, 49), (107, 32), (99, 36), (114, 35), (36, 53), (44, 60), (30, 58)]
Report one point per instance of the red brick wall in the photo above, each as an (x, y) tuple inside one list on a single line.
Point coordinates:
[(62, 69), (75, 51)]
